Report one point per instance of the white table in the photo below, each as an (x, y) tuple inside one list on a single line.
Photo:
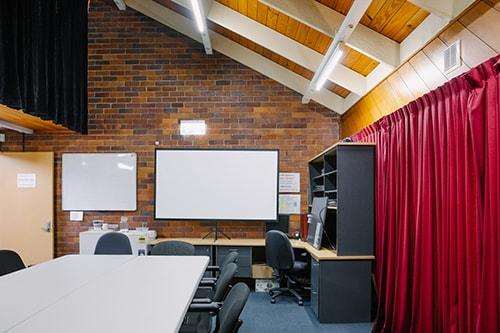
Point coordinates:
[(100, 294)]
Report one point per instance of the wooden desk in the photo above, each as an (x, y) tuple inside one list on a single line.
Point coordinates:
[(340, 285), (323, 254), (100, 294)]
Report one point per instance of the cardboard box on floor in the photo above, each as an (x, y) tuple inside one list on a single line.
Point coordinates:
[(262, 271)]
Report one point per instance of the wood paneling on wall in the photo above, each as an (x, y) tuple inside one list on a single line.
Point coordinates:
[(18, 117), (478, 31)]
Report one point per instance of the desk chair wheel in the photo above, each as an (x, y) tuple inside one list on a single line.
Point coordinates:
[(301, 302), (273, 301)]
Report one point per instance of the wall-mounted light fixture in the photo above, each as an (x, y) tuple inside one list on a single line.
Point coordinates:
[(193, 127)]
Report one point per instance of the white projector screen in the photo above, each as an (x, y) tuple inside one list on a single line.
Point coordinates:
[(203, 184)]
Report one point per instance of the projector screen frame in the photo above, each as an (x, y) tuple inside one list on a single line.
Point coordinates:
[(218, 219)]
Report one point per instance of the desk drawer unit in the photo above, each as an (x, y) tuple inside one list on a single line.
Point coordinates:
[(341, 290), (244, 260)]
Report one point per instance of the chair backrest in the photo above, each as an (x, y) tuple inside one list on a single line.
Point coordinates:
[(113, 243), (10, 262), (226, 275), (279, 251), (229, 315), (173, 248), (231, 257)]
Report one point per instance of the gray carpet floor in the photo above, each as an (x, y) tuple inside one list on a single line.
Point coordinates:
[(260, 316)]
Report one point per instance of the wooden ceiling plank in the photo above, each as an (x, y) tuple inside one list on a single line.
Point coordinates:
[(283, 46), (252, 9), (235, 51), (328, 21)]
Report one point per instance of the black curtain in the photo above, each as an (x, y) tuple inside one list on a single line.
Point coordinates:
[(43, 59)]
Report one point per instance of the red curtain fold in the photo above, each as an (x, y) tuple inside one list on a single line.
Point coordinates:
[(438, 208)]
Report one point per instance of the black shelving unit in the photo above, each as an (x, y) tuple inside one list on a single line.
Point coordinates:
[(346, 172), (341, 289)]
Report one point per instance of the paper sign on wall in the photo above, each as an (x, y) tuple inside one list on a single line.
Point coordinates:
[(289, 182), (289, 204), (26, 180)]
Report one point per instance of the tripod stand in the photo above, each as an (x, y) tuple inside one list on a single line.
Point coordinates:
[(215, 230)]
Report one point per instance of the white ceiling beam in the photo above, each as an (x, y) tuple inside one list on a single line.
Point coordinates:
[(350, 22), (120, 4), (236, 51), (429, 29), (328, 21), (443, 8), (283, 46), (422, 34), (431, 26)]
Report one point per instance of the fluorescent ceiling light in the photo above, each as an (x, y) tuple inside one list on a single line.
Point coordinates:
[(328, 68), (14, 127), (198, 15), (193, 127)]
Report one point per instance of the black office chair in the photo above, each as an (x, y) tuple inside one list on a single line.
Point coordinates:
[(10, 262), (113, 243), (232, 257), (215, 291), (173, 248), (228, 314), (280, 256)]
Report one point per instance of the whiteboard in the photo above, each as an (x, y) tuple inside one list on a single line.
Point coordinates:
[(99, 181), (214, 184)]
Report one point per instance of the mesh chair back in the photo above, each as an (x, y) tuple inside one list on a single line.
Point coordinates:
[(226, 275), (173, 248), (10, 262), (279, 251), (113, 243), (229, 314)]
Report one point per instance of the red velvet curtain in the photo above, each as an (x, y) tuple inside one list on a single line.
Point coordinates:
[(438, 208)]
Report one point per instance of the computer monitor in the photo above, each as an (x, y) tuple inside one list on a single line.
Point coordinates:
[(318, 214)]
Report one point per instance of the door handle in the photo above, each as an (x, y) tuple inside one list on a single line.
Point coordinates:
[(47, 227)]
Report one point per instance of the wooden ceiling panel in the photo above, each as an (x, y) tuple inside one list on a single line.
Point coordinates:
[(20, 118), (300, 32), (395, 19), (296, 68)]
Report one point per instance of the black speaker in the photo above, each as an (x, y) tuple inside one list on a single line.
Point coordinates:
[(283, 224)]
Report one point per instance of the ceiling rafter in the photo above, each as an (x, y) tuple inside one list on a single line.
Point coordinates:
[(326, 20), (388, 53), (234, 50)]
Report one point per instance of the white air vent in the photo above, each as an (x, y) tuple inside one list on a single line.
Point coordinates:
[(452, 57)]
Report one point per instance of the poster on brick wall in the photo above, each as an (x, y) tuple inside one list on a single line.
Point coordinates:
[(289, 182), (289, 204)]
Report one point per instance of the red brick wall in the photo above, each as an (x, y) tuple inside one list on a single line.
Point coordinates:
[(144, 78)]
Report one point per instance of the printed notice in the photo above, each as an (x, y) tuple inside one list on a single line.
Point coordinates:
[(289, 204), (26, 180), (289, 182)]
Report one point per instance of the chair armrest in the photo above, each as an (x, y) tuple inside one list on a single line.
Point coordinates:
[(202, 307), (207, 283), (209, 279), (201, 300), (213, 268)]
